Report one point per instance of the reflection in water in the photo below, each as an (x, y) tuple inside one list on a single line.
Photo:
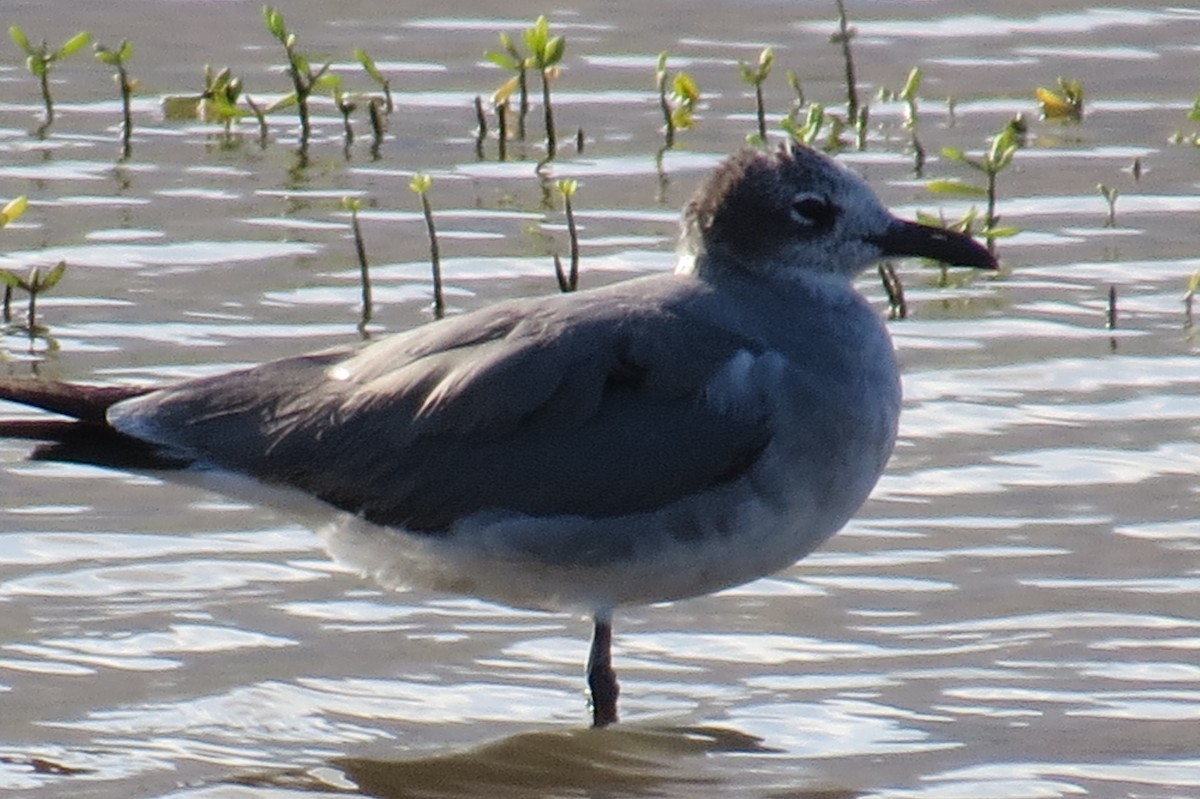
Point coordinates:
[(626, 761)]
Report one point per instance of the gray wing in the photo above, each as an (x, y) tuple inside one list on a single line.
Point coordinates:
[(557, 406)]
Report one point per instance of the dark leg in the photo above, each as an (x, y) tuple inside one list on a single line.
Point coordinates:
[(602, 680)]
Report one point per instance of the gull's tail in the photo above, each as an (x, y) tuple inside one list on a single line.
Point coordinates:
[(84, 436)]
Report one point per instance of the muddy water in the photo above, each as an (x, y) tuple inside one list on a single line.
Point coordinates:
[(1015, 613)]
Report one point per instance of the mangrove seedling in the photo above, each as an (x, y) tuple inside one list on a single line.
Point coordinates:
[(511, 59), (40, 59), (568, 281), (354, 205), (305, 80), (219, 102), (545, 55), (908, 96), (1066, 104), (1110, 194), (997, 158), (368, 65), (35, 284), (678, 97), (842, 37), (11, 211), (1193, 286), (805, 132), (793, 80), (421, 183), (118, 60), (756, 75), (345, 105)]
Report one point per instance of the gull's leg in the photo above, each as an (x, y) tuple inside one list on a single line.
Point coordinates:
[(602, 680)]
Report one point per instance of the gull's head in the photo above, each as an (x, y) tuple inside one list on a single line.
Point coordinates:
[(795, 210)]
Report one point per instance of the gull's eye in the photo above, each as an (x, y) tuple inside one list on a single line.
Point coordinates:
[(813, 211)]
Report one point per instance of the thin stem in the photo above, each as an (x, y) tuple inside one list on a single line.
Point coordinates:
[(360, 250), (45, 82), (761, 111), (844, 35), (439, 305), (548, 114)]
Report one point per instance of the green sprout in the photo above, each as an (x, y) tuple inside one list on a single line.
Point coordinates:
[(421, 183), (37, 282), (41, 59), (1110, 194), (305, 80), (511, 59), (345, 104), (545, 55), (1066, 104), (907, 95), (220, 98), (756, 75), (997, 158), (568, 281), (805, 132), (369, 66), (793, 80), (678, 104), (118, 59)]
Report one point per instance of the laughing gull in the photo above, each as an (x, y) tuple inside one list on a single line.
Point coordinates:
[(656, 439)]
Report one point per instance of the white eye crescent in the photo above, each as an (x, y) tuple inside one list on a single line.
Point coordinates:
[(813, 210)]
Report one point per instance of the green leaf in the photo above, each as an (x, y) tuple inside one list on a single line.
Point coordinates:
[(554, 51), (106, 56), (11, 279), (13, 210), (766, 59), (36, 65), (537, 36), (282, 102), (352, 204), (1005, 232), (502, 60), (956, 187), (1194, 114), (685, 88), (74, 44), (912, 85), (568, 186), (20, 39), (275, 23), (327, 80), (662, 63), (421, 182), (954, 154), (125, 51), (505, 91), (52, 277)]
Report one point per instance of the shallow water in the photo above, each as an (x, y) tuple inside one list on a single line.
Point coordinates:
[(1014, 613)]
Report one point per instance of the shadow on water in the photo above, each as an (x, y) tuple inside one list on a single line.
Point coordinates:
[(623, 761)]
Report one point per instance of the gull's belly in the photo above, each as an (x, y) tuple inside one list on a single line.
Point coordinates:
[(802, 490)]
